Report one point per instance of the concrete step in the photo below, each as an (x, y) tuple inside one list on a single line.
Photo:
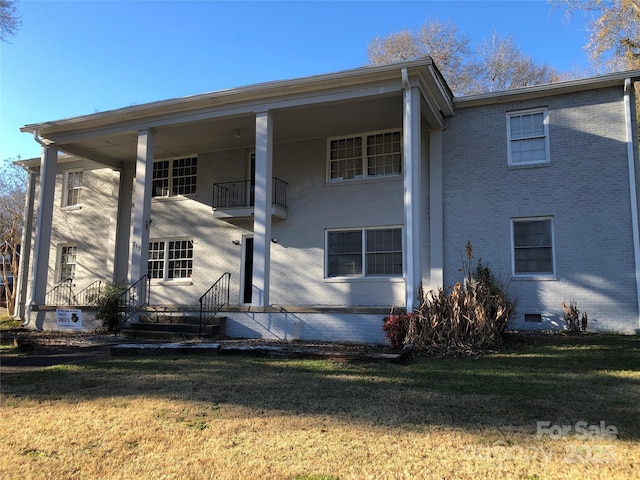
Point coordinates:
[(176, 318), (174, 331)]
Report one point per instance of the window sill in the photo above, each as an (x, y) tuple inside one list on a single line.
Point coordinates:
[(69, 208), (364, 279), (173, 198), (526, 166), (534, 278), (361, 181), (169, 283)]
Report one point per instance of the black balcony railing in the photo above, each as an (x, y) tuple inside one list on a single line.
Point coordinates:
[(242, 194)]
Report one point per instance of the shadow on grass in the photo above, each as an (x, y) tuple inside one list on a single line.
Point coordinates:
[(563, 381)]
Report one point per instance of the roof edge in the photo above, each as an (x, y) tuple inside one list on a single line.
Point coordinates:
[(547, 89)]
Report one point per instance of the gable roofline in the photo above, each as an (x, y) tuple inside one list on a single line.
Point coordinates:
[(425, 68), (547, 89)]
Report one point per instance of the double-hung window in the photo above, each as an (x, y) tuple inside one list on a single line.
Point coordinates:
[(67, 255), (528, 135), (170, 259), (532, 247), (364, 252), (72, 185), (365, 156), (175, 177)]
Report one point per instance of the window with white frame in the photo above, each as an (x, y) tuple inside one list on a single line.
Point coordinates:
[(72, 185), (170, 259), (365, 156), (532, 240), (528, 136), (67, 256), (364, 252), (174, 177)]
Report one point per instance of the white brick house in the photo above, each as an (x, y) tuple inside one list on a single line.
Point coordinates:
[(332, 198)]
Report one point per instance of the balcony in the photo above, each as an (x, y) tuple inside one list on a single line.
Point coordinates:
[(236, 200)]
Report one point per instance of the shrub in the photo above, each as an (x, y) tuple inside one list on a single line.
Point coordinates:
[(572, 316), (470, 318), (395, 327), (108, 311)]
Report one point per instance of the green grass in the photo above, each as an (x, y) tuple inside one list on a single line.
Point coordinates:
[(244, 417), (8, 323)]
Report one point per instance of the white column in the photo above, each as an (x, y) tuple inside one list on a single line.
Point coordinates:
[(436, 210), (120, 224), (42, 244), (25, 248), (262, 215), (412, 172), (142, 205)]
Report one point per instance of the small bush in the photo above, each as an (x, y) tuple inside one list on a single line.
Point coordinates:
[(395, 327), (106, 302)]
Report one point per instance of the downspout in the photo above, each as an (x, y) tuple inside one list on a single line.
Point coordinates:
[(632, 188)]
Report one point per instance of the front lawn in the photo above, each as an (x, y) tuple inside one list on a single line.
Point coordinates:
[(508, 415)]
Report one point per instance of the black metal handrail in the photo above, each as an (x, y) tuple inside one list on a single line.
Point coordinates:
[(89, 295), (61, 294), (131, 300), (242, 194), (214, 299)]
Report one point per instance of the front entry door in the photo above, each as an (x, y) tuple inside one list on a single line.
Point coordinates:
[(247, 270)]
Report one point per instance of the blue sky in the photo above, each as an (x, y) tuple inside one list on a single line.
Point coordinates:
[(78, 57)]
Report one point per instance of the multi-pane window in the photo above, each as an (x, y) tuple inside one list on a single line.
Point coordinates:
[(528, 137), (170, 259), (364, 252), (71, 187), (383, 154), (344, 253), (365, 156), (175, 177), (67, 262), (156, 259), (533, 246), (384, 252)]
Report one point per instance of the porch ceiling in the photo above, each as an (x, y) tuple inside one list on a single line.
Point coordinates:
[(294, 123)]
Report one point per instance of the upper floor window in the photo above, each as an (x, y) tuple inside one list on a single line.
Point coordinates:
[(72, 185), (532, 246), (365, 156), (364, 252), (170, 259), (175, 177), (528, 136)]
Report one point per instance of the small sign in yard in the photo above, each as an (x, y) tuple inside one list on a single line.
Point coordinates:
[(68, 318)]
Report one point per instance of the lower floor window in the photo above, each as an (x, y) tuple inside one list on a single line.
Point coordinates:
[(170, 259), (364, 252), (67, 262), (532, 246)]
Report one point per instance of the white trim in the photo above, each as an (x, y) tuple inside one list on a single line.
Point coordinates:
[(363, 252), (633, 192), (534, 275), (364, 177), (59, 265), (170, 178), (545, 124), (165, 261), (65, 189)]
